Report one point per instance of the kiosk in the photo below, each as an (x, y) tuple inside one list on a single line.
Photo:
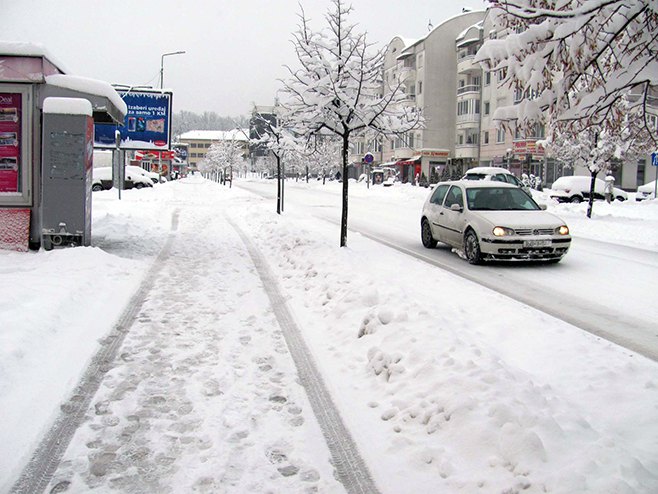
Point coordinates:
[(28, 77)]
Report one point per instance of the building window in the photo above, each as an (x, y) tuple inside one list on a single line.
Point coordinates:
[(420, 87), (487, 108), (486, 137), (487, 78), (419, 61), (500, 135), (502, 73)]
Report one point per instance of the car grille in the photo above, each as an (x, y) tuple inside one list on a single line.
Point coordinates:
[(535, 231)]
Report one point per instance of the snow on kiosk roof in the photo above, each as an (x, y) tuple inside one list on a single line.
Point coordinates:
[(108, 106)]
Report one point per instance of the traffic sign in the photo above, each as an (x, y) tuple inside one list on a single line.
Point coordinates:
[(654, 159), (368, 158)]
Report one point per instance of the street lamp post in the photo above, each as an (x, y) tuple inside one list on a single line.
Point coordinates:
[(161, 87), (162, 65)]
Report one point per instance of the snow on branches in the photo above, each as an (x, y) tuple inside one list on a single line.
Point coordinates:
[(585, 62), (338, 88)]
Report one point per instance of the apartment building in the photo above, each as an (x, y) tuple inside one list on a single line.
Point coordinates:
[(428, 69), (458, 99), (199, 142)]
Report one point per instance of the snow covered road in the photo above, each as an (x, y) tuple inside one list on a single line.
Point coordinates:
[(563, 291)]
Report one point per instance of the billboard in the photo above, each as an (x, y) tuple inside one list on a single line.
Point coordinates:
[(147, 124)]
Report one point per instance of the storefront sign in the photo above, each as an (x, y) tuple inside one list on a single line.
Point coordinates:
[(10, 142), (528, 147), (147, 124), (435, 153)]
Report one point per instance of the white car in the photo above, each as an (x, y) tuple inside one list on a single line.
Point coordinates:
[(495, 173), (577, 188), (154, 177), (102, 179), (646, 191), (490, 220)]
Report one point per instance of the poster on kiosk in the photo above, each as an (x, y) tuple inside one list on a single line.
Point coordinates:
[(10, 138)]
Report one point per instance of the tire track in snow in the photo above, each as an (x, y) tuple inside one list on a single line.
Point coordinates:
[(351, 469), (45, 460)]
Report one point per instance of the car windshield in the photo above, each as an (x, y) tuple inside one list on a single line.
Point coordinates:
[(499, 199)]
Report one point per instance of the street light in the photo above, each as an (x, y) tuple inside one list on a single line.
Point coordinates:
[(162, 65)]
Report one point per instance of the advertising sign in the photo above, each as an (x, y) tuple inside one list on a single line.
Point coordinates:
[(10, 142), (147, 124)]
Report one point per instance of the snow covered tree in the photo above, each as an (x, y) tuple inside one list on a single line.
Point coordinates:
[(324, 155), (338, 88), (271, 132), (223, 156), (584, 62), (596, 148)]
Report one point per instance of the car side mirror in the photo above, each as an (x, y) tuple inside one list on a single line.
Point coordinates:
[(455, 207), (543, 207)]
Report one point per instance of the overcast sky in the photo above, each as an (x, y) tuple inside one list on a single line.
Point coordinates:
[(235, 49)]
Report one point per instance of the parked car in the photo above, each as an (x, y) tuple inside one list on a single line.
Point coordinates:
[(154, 177), (490, 220), (102, 179), (646, 191), (495, 173), (576, 189)]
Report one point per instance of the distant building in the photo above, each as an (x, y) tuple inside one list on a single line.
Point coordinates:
[(199, 142)]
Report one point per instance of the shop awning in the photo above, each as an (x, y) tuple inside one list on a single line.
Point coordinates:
[(108, 106), (410, 161)]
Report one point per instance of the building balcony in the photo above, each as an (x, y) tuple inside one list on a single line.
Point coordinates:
[(408, 73), (471, 88), (403, 153), (408, 100), (468, 120), (467, 65), (466, 150)]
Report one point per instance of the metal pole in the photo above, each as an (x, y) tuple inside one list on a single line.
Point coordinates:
[(162, 65)]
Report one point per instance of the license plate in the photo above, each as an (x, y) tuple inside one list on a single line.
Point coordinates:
[(536, 243)]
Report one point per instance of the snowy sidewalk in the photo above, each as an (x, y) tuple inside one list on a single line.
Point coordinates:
[(203, 394)]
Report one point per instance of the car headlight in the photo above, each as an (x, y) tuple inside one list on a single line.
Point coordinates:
[(501, 231), (562, 230)]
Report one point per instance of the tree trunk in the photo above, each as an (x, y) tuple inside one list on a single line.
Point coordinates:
[(343, 219), (592, 188), (278, 184)]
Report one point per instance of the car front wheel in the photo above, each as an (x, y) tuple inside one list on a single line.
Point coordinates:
[(96, 187), (472, 248), (576, 199), (426, 235), (138, 185)]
